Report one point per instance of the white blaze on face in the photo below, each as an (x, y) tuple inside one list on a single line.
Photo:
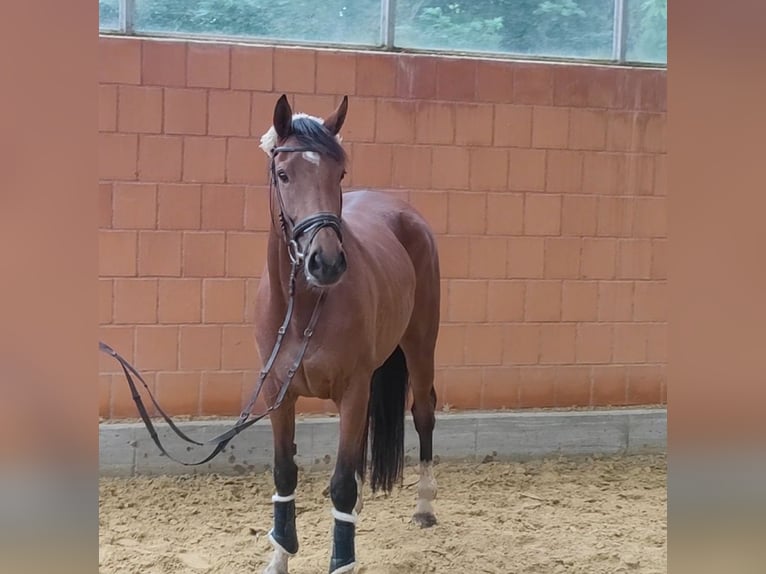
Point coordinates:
[(311, 156)]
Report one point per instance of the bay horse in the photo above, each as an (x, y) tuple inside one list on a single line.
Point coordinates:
[(351, 288)]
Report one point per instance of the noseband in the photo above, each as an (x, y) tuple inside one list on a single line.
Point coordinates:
[(310, 225)]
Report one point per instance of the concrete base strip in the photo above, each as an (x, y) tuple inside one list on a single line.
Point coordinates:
[(126, 449)]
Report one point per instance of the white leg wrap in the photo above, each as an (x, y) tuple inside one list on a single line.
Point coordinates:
[(278, 564), (288, 498), (352, 518), (342, 569)]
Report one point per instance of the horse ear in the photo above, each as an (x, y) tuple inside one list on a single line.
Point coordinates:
[(334, 121), (283, 118)]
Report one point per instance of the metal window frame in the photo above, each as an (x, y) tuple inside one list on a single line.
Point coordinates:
[(127, 15)]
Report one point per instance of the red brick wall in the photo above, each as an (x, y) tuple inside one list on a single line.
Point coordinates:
[(545, 184)]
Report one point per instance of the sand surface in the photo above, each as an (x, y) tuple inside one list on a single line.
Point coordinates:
[(589, 516)]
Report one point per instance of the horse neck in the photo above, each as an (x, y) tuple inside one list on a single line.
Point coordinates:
[(278, 262)]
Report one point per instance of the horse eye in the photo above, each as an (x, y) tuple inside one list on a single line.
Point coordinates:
[(282, 176)]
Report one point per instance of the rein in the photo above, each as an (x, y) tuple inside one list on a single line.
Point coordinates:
[(311, 226)]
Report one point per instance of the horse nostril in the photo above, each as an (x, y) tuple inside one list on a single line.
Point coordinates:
[(314, 262), (340, 265)]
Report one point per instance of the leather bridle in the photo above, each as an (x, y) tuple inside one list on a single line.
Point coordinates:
[(310, 226)]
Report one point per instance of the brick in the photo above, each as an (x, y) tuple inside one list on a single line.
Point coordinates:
[(644, 384), (542, 214), (372, 165), (135, 301), (159, 158), (505, 213), (179, 206), (557, 343), (537, 387), (180, 300), (550, 127), (294, 70), (639, 175), (604, 174), (500, 388), (117, 156), (228, 113), (433, 206), (571, 387), (578, 215), (185, 111), (462, 388), (178, 393), (456, 79), (651, 133), (660, 175), (257, 215), (163, 63), (563, 171), (412, 167), (487, 259), (336, 73), (376, 75), (453, 256), (203, 254), (579, 301), (598, 259), (223, 300), (609, 385), (105, 300), (494, 81), (615, 301), (467, 301), (513, 126), (634, 259), (395, 121), (615, 216), (657, 343), (505, 301), (467, 212), (221, 394), (526, 170), (119, 61), (117, 251), (238, 348), (650, 217), (650, 301), (204, 159), (223, 207), (562, 258), (435, 123), (450, 346), (139, 109), (630, 343), (416, 77), (157, 348), (360, 121), (104, 205), (261, 113), (122, 340), (594, 343), (200, 347), (543, 301), (526, 258), (159, 253), (580, 86), (587, 129), (246, 254), (659, 269), (207, 66), (521, 344), (134, 205), (252, 68), (484, 345), (449, 168), (489, 169), (533, 84), (620, 131), (107, 108), (244, 162), (473, 124)]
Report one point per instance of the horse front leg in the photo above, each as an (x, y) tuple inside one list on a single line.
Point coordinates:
[(283, 536), (345, 485)]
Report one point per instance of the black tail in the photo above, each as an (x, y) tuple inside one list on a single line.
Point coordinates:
[(388, 396)]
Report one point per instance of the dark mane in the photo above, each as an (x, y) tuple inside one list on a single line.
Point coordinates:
[(311, 133)]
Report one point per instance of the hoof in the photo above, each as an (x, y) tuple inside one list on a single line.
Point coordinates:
[(424, 519)]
